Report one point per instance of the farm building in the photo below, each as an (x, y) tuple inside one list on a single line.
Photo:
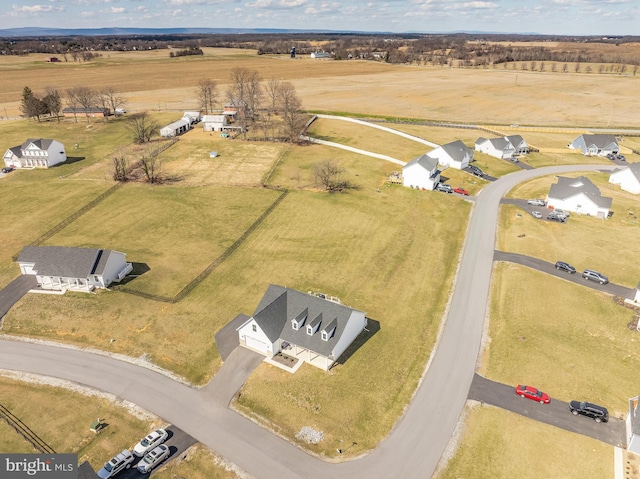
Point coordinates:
[(193, 116), (320, 55), (40, 153), (455, 155), (235, 108), (595, 145), (78, 269), (628, 178), (578, 195), (214, 122), (506, 147), (316, 330), (176, 128), (421, 172)]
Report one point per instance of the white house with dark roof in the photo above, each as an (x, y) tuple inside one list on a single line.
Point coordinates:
[(314, 329), (578, 195), (455, 155), (214, 122), (628, 178), (79, 269), (35, 153), (595, 145), (633, 426), (421, 172), (504, 148)]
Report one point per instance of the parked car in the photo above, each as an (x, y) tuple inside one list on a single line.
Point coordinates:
[(7, 169), (444, 188), (536, 202), (621, 158), (560, 212), (598, 413), (611, 156), (536, 214), (153, 458), (150, 441), (475, 170), (530, 392), (116, 464), (461, 191), (565, 267), (556, 217), (514, 159), (595, 276)]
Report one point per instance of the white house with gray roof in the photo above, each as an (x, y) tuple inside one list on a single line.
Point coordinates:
[(595, 145), (35, 153), (80, 269), (504, 148), (314, 329), (578, 195), (455, 155), (628, 178), (421, 172)]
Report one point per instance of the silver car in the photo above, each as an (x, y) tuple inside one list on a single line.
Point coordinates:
[(536, 202), (536, 214), (153, 458), (595, 276)]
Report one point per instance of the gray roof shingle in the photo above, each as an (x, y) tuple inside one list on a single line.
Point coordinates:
[(425, 161), (280, 305), (65, 261), (456, 150), (568, 187)]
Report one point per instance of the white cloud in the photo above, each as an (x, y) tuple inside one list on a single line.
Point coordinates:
[(116, 10), (37, 8)]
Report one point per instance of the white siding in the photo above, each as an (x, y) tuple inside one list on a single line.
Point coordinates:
[(417, 176), (579, 203), (627, 180), (56, 153), (356, 323), (255, 340), (115, 263)]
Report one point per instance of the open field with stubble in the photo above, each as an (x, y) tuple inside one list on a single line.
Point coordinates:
[(501, 445), (584, 242)]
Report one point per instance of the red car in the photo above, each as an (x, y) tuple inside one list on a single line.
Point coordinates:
[(532, 393), (461, 191)]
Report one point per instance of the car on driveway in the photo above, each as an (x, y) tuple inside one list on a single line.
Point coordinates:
[(150, 441), (597, 413), (561, 265), (7, 169), (621, 158), (116, 464), (592, 275), (556, 217), (530, 392), (536, 214), (475, 170), (461, 191), (536, 202), (444, 188), (153, 458)]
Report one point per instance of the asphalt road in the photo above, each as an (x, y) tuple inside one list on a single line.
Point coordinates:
[(549, 268), (416, 443), (555, 413)]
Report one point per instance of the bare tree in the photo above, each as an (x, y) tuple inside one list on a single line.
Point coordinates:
[(120, 168), (290, 107), (328, 174), (245, 92), (71, 100), (53, 100), (272, 89), (112, 99), (207, 94), (142, 127), (82, 96), (151, 165)]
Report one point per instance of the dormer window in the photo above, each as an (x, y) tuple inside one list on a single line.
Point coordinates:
[(329, 331), (314, 325), (298, 321)]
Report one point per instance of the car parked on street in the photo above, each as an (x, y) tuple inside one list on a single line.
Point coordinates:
[(536, 214), (116, 464), (461, 191), (444, 188), (150, 441), (536, 202), (597, 413), (535, 394), (592, 275), (561, 265), (153, 458)]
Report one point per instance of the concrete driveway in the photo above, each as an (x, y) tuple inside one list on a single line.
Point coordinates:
[(14, 291), (555, 413)]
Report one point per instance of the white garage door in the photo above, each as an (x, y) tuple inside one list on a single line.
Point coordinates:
[(256, 344)]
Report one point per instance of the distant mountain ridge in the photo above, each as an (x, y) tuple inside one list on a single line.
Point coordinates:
[(58, 32)]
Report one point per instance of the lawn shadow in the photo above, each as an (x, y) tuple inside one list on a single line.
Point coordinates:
[(372, 328), (70, 160), (138, 270)]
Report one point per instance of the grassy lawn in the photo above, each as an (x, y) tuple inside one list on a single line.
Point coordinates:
[(570, 341), (200, 463), (367, 138), (177, 231), (439, 134), (498, 444), (585, 242), (564, 157), (46, 411)]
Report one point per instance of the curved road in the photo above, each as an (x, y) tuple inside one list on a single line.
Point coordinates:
[(414, 447)]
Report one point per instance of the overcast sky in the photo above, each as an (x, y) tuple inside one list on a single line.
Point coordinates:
[(571, 17)]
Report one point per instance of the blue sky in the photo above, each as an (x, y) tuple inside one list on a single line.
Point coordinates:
[(570, 17)]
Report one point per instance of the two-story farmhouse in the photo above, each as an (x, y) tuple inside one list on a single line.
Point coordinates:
[(35, 153), (421, 172), (315, 329), (455, 155)]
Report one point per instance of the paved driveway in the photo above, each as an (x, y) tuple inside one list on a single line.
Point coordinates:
[(549, 268), (555, 413), (14, 291)]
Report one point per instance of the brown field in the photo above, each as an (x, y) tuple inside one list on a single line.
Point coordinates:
[(152, 81)]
